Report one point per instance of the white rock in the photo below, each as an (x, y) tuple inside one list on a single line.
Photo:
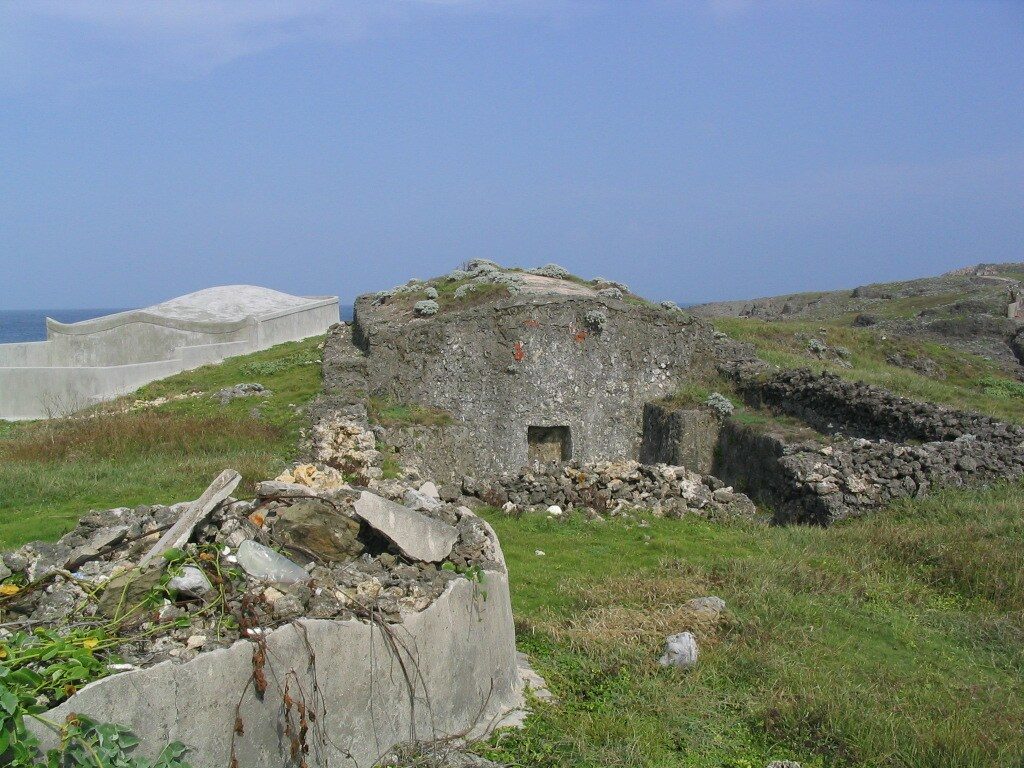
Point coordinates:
[(430, 489), (195, 642), (555, 510), (191, 582), (539, 552), (420, 501), (272, 595), (680, 651)]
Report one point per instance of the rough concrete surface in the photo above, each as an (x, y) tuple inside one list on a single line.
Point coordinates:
[(448, 670), (418, 536)]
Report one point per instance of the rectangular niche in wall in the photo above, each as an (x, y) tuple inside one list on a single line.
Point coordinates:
[(548, 444)]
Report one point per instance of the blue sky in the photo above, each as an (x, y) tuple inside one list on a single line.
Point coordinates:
[(695, 150)]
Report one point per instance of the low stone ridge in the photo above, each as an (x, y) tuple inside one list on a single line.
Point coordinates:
[(611, 487), (833, 404)]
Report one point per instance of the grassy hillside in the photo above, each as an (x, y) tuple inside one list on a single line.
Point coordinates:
[(971, 382), (894, 640)]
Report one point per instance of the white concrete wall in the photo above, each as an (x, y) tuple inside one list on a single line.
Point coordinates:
[(81, 366)]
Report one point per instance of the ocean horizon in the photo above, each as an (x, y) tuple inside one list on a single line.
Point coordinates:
[(21, 325)]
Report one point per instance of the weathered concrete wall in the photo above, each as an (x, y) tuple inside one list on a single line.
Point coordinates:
[(684, 437), (501, 368), (446, 671), (85, 363)]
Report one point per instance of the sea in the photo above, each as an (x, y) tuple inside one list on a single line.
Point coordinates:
[(30, 324)]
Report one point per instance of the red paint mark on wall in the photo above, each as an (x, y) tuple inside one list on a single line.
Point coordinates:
[(580, 336), (531, 323), (518, 352)]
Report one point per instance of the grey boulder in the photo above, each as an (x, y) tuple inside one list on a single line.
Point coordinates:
[(191, 582)]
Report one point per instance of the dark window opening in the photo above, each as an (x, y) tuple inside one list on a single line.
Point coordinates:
[(548, 444)]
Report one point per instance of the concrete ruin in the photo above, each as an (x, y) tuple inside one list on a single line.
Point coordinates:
[(538, 369), (381, 618), (81, 364)]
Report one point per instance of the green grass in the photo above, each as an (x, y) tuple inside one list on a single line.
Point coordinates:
[(391, 414), (53, 473), (896, 640), (972, 382)]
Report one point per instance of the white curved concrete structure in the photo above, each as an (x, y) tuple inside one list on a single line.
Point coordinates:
[(84, 363)]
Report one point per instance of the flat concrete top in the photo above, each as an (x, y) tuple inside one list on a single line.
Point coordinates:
[(552, 285), (226, 303)]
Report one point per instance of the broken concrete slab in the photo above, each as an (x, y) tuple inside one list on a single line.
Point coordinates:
[(278, 489), (461, 679), (418, 537), (197, 511)]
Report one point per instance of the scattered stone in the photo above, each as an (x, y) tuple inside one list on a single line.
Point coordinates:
[(554, 510), (420, 501), (612, 487), (720, 404), (430, 489), (680, 651), (426, 308), (226, 395), (317, 529), (102, 539)]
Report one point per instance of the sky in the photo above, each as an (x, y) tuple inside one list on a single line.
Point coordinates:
[(696, 151)]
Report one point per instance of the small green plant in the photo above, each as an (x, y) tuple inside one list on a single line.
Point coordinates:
[(1002, 387), (43, 668)]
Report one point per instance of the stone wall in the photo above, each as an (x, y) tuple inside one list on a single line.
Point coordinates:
[(883, 448), (588, 363), (831, 404)]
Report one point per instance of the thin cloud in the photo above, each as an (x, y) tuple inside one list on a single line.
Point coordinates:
[(96, 42)]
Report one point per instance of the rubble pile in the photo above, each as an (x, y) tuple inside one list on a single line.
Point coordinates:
[(170, 582), (613, 486)]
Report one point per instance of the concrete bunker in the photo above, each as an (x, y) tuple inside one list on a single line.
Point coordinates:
[(502, 352), (546, 445)]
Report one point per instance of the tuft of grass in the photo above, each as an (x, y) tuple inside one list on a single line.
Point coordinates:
[(388, 413)]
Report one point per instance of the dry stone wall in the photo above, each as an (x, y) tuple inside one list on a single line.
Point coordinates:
[(882, 447)]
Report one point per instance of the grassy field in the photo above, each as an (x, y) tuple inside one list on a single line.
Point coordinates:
[(894, 640), (53, 473), (891, 641)]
